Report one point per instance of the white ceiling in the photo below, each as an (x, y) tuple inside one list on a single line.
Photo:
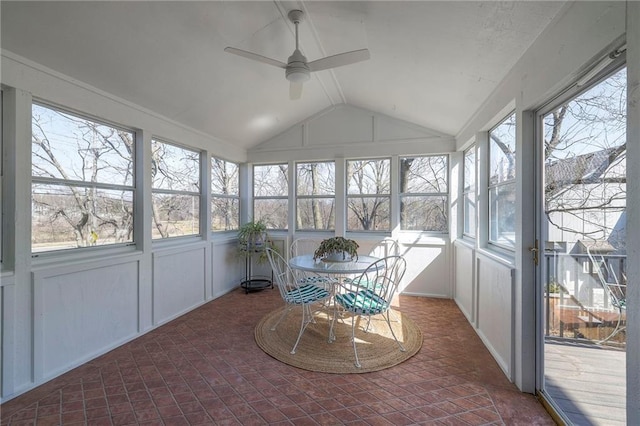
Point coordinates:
[(432, 63)]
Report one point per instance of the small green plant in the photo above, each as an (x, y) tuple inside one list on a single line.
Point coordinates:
[(252, 234), (337, 245)]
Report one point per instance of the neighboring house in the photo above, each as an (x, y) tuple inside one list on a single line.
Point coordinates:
[(586, 197)]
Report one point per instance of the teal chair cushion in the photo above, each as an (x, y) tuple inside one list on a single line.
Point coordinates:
[(307, 293), (363, 303)]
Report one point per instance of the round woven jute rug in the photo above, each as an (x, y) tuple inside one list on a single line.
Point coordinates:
[(377, 349)]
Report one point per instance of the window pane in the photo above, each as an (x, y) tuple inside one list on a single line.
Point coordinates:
[(73, 148), (368, 177), (470, 214), (174, 168), (426, 213), (271, 181), (585, 165), (423, 174), (71, 216), (273, 212), (225, 214), (368, 214), (502, 206), (502, 151), (470, 170), (316, 178), (316, 213), (224, 177), (175, 215)]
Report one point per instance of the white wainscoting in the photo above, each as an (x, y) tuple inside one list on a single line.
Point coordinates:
[(464, 289), (495, 304), (428, 269), (179, 282), (227, 268), (81, 311)]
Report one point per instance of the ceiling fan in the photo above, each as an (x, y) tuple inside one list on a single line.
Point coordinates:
[(297, 69)]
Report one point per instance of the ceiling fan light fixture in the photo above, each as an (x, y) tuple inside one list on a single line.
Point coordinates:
[(297, 75)]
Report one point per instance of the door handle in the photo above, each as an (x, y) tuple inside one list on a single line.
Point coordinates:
[(535, 250)]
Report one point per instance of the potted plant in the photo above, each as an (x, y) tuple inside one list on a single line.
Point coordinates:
[(253, 239), (337, 249), (252, 235)]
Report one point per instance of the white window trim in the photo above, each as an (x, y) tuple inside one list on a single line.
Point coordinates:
[(314, 197), (401, 195), (199, 194), (388, 195), (473, 191), (225, 196), (91, 251), (279, 197)]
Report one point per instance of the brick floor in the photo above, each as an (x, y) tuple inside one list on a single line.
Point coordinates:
[(205, 368)]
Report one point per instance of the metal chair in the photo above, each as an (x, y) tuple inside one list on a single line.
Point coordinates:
[(302, 246), (616, 291), (369, 294), (294, 293), (386, 247)]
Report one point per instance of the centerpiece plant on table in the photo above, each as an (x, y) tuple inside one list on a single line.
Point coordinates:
[(337, 249)]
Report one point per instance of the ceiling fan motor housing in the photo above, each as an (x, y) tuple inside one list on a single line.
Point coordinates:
[(297, 69)]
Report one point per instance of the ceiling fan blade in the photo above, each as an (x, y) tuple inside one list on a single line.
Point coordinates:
[(339, 60), (256, 57), (295, 91)]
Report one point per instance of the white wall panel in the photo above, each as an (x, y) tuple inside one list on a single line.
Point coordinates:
[(227, 268), (428, 270), (496, 310), (464, 291), (82, 311), (178, 282), (342, 125)]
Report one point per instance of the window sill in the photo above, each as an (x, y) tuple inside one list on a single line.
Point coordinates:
[(73, 256), (499, 257)]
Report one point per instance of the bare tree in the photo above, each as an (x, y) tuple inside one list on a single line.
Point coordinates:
[(368, 194), (585, 160), (72, 174)]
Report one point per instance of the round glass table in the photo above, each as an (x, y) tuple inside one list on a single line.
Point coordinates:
[(306, 263)]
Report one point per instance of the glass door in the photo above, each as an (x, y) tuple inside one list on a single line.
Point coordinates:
[(582, 316)]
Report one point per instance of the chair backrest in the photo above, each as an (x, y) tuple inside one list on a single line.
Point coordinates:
[(282, 274), (302, 246), (382, 277), (386, 247), (616, 291)]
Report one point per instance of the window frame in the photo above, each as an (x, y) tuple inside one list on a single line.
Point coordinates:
[(273, 197), (470, 192), (298, 197), (425, 195), (388, 195), (501, 184), (43, 180), (225, 196), (199, 194)]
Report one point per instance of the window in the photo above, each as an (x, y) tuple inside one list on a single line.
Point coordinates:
[(315, 196), (82, 182), (271, 195), (424, 193), (225, 195), (368, 195), (502, 186), (1, 184), (175, 190), (469, 193)]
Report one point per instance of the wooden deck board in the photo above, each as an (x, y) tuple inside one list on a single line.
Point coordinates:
[(587, 382)]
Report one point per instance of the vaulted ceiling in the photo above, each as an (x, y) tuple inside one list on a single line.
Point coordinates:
[(432, 63)]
